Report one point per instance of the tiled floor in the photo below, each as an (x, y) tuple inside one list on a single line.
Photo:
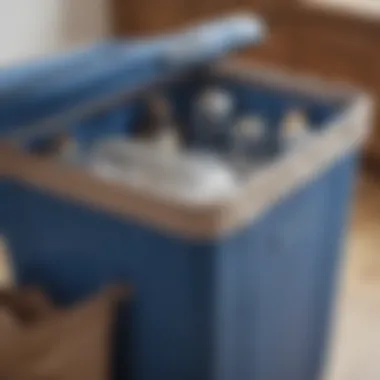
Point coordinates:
[(355, 351)]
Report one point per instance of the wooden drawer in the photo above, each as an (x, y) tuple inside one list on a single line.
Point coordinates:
[(146, 18), (336, 48), (335, 59), (373, 143), (269, 7), (278, 48), (372, 147), (376, 71)]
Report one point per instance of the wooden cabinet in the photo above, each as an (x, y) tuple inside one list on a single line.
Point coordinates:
[(342, 48), (279, 47), (333, 45), (332, 60), (144, 17), (336, 49)]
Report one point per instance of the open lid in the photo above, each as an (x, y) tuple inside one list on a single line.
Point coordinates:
[(37, 102)]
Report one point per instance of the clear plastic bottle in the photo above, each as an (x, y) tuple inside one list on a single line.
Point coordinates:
[(166, 135), (212, 116), (247, 136), (294, 127)]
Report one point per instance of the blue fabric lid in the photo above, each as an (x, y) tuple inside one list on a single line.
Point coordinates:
[(51, 94)]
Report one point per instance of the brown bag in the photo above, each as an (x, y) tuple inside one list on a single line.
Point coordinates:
[(28, 304), (59, 344)]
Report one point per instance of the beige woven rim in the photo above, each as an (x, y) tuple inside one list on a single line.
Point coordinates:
[(206, 221)]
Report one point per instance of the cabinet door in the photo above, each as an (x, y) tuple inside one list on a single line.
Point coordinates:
[(373, 145), (336, 49), (144, 17), (278, 46), (208, 9), (372, 149)]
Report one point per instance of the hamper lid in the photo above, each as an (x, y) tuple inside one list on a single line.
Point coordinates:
[(35, 103)]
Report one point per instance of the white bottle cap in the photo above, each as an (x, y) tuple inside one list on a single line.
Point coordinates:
[(216, 104), (250, 128)]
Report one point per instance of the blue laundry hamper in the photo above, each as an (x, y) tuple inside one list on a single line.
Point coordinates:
[(232, 288)]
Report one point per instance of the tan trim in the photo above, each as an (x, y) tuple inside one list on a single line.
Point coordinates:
[(266, 187), (109, 196), (297, 169)]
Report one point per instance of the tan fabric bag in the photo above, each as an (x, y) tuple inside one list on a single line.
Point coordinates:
[(39, 342)]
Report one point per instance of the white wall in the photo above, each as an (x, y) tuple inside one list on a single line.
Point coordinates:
[(30, 28)]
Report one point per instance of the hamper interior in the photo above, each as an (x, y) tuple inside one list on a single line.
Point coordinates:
[(249, 99)]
